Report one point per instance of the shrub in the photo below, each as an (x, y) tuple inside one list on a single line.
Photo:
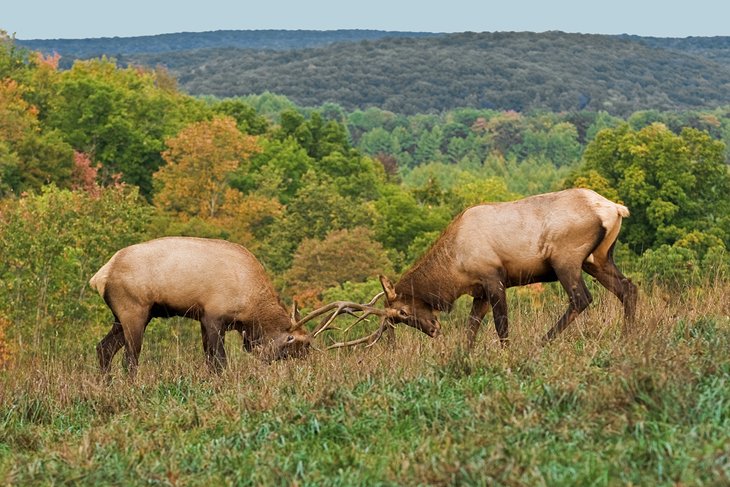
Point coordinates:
[(344, 255), (52, 243)]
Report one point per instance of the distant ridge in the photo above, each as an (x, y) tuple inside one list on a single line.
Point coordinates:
[(246, 39)]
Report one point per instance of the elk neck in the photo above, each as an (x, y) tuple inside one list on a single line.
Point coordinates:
[(433, 279)]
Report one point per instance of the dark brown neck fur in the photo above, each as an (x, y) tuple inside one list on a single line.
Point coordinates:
[(427, 279)]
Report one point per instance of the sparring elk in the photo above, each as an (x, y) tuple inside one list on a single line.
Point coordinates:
[(218, 283), (493, 246)]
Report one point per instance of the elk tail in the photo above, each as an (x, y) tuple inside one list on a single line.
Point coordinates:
[(98, 280), (622, 211)]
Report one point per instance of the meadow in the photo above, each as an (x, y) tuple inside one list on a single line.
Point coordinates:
[(599, 406)]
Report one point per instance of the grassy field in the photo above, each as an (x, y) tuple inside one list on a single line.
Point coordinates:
[(593, 408)]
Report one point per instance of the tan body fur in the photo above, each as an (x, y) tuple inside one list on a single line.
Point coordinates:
[(491, 247), (216, 282)]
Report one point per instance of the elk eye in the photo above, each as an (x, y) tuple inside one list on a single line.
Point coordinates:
[(403, 313), (290, 339)]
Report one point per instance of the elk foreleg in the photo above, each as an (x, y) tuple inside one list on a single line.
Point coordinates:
[(204, 337), (498, 299), (215, 352), (479, 308), (390, 336)]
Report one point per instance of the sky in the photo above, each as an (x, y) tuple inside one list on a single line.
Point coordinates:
[(75, 19)]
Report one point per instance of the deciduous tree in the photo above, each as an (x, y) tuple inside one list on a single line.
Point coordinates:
[(119, 117), (29, 155), (674, 184)]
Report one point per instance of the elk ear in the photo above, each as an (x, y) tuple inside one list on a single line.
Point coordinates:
[(390, 293)]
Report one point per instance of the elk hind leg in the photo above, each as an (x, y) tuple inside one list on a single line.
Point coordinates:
[(109, 346), (134, 323), (579, 299), (610, 277)]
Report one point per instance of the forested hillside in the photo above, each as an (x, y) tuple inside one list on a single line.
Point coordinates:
[(508, 71), (714, 48), (420, 72)]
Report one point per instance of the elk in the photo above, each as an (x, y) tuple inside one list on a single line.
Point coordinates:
[(493, 246), (216, 282)]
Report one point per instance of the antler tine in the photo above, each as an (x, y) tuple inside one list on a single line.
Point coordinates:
[(317, 312), (328, 321), (375, 298), (360, 319), (372, 338), (340, 307)]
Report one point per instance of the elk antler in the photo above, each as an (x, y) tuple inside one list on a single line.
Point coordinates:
[(337, 308)]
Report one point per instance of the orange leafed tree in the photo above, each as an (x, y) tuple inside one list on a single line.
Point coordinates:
[(200, 160), (18, 119), (84, 174)]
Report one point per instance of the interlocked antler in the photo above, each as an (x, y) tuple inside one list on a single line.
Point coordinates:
[(337, 308), (372, 338)]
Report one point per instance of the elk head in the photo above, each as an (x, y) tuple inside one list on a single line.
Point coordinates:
[(410, 310), (297, 341), (294, 342)]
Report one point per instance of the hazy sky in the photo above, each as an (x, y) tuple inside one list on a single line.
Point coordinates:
[(30, 19)]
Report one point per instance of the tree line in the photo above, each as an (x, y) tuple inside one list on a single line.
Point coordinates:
[(270, 39)]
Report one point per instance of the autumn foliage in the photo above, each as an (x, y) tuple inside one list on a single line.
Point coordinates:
[(200, 161), (342, 256), (84, 174), (323, 197)]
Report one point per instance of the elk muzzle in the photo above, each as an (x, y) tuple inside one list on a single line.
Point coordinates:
[(431, 328)]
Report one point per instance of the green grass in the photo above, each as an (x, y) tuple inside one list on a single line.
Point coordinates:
[(593, 408)]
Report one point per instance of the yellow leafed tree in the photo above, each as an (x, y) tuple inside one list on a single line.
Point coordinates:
[(200, 160), (243, 216)]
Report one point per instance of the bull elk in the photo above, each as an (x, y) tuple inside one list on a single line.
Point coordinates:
[(218, 283), (493, 246)]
